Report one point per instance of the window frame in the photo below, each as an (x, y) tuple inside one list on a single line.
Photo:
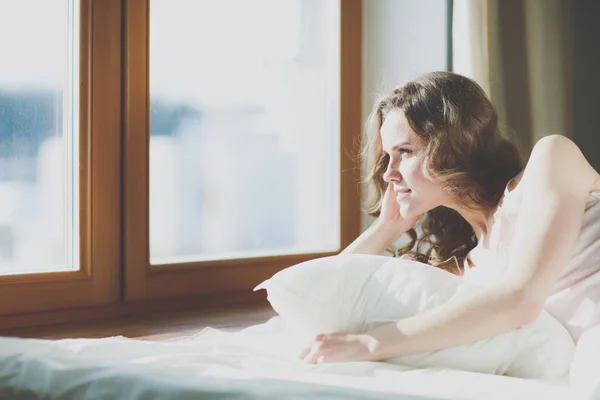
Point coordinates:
[(222, 277), (97, 282), (115, 278)]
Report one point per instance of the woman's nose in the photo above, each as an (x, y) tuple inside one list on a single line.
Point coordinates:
[(391, 175)]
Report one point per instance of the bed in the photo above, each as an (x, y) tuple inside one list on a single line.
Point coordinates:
[(255, 363)]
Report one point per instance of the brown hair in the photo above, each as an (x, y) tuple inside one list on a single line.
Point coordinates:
[(465, 150)]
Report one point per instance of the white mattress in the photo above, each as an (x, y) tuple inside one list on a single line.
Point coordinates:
[(256, 363)]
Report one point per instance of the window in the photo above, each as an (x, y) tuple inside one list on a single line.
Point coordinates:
[(244, 158), (157, 157), (60, 179), (39, 110)]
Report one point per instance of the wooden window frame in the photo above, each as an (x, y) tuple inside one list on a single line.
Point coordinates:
[(223, 277), (97, 282), (115, 278)]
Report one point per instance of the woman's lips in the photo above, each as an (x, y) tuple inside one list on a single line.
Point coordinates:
[(402, 194)]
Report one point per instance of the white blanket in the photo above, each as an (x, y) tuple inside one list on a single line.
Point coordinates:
[(256, 363)]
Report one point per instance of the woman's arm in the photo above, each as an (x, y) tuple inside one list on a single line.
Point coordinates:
[(555, 187), (375, 240)]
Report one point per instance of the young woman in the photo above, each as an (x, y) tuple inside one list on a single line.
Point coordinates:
[(531, 234)]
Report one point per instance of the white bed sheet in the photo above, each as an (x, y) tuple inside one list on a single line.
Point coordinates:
[(256, 363)]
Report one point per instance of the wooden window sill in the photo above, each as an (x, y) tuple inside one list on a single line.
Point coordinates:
[(155, 326)]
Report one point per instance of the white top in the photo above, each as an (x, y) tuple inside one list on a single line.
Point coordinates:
[(575, 298)]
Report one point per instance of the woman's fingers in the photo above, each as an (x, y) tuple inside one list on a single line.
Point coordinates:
[(390, 196), (389, 193), (304, 352), (312, 354)]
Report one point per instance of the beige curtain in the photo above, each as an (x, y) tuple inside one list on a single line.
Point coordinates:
[(519, 51)]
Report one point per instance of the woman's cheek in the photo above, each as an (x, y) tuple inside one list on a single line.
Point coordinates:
[(409, 174)]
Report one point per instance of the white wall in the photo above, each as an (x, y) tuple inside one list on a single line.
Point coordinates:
[(401, 39)]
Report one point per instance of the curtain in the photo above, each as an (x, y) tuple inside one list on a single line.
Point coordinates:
[(520, 52)]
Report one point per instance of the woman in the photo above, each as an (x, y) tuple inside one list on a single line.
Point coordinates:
[(532, 235)]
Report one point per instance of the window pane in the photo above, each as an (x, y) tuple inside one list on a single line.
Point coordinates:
[(244, 149), (38, 114)]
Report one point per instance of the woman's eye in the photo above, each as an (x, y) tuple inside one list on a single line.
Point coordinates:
[(404, 151)]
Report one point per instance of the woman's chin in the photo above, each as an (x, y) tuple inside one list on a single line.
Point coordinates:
[(409, 212), (406, 212)]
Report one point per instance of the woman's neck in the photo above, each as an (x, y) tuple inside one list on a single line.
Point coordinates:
[(480, 221)]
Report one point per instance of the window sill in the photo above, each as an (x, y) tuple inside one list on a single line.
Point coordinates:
[(155, 326)]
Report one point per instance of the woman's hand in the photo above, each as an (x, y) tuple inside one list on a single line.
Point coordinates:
[(385, 230), (338, 346), (390, 218)]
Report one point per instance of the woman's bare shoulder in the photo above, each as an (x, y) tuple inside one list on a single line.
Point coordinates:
[(563, 155)]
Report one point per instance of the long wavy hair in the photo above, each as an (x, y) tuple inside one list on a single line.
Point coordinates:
[(465, 151)]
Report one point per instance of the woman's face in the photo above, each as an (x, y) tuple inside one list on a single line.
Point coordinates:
[(417, 192)]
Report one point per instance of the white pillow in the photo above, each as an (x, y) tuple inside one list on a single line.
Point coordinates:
[(357, 292)]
